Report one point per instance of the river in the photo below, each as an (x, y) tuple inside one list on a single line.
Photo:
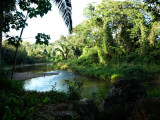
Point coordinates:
[(57, 82)]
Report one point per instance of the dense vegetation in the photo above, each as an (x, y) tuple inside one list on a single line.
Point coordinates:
[(18, 104), (12, 16), (27, 53), (117, 39), (15, 103)]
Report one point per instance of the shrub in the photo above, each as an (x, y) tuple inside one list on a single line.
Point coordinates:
[(116, 77), (136, 72), (74, 89)]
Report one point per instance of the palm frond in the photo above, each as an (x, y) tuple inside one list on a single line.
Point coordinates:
[(65, 9), (61, 51)]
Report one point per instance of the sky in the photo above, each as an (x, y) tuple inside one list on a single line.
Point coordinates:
[(52, 23)]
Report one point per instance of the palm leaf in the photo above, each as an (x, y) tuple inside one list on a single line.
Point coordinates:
[(65, 9), (61, 51)]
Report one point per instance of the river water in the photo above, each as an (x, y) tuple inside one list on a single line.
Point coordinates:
[(57, 82)]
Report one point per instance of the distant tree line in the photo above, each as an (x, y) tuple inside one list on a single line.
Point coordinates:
[(27, 53)]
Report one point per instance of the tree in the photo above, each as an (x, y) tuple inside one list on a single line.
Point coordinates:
[(116, 27), (19, 20), (153, 6), (5, 10), (63, 47), (1, 28), (43, 6)]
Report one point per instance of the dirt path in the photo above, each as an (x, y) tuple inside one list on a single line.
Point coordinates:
[(26, 76)]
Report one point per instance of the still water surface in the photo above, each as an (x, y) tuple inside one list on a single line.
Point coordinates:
[(57, 82)]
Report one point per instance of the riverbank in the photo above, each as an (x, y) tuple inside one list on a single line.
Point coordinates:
[(26, 76), (63, 106), (53, 104), (113, 72), (25, 65)]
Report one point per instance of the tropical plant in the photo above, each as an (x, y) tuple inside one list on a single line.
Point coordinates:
[(64, 50), (74, 89)]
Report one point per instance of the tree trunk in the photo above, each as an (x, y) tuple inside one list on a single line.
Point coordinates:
[(4, 53), (1, 29), (15, 56)]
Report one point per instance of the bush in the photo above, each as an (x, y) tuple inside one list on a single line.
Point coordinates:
[(136, 72), (74, 89), (15, 103), (4, 73), (116, 77)]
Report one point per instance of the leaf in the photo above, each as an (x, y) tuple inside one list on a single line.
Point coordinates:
[(46, 100), (65, 9), (13, 26), (41, 38)]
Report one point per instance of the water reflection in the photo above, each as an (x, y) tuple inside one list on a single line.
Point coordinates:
[(47, 83), (57, 82)]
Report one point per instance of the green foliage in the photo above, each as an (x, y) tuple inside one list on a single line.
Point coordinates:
[(152, 6), (153, 93), (14, 41), (115, 32), (27, 53), (67, 47), (110, 71), (42, 7), (119, 39), (138, 72), (41, 36), (4, 73), (74, 89), (88, 57), (15, 103), (12, 18), (118, 42), (116, 77), (34, 8), (100, 94)]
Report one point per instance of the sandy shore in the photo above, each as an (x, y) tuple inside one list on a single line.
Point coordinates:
[(26, 76)]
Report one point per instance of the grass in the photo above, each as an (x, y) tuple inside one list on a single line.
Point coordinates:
[(153, 93), (140, 72), (15, 103), (153, 90), (113, 72)]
